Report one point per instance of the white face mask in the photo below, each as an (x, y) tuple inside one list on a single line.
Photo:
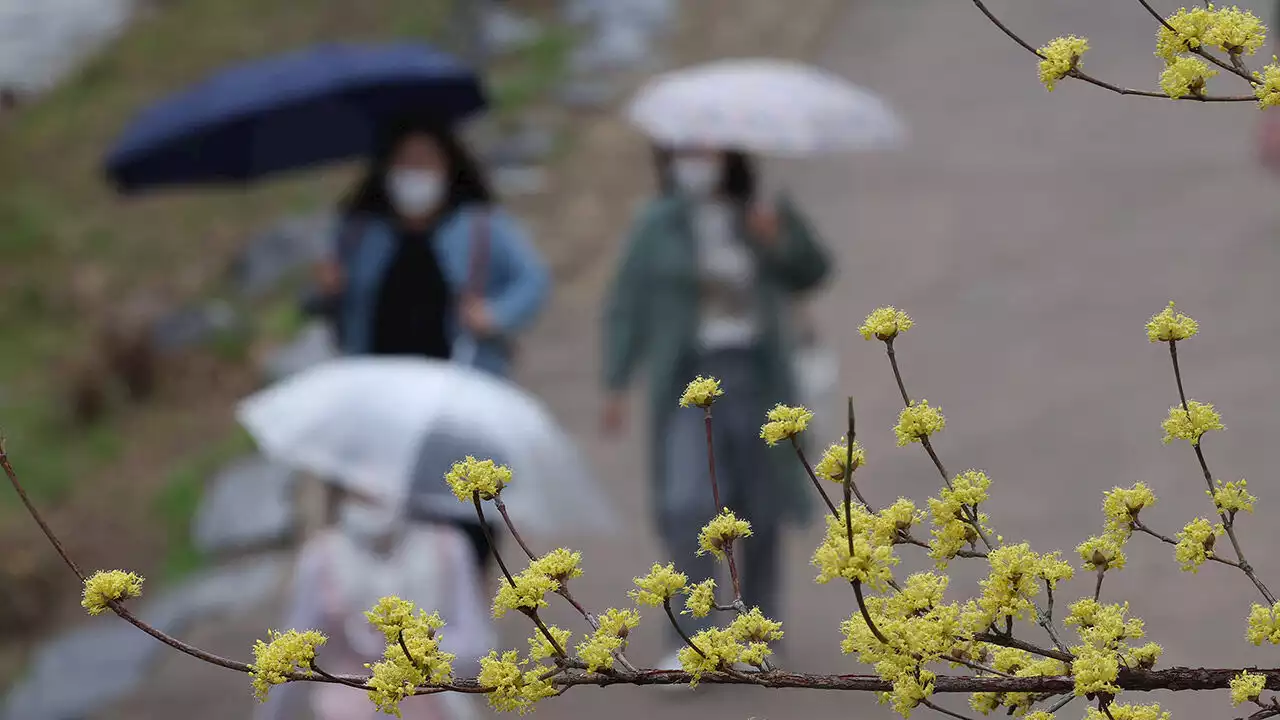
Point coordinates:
[(414, 193), (697, 176), (366, 521)]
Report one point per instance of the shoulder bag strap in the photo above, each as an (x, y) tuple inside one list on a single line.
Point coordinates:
[(479, 267)]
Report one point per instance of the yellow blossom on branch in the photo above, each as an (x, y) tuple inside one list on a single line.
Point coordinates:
[(398, 675), (1101, 553), (1059, 58), (784, 423), (1264, 625), (285, 653), (1195, 543), (508, 686), (108, 586), (831, 465), (701, 600), (720, 532), (540, 648), (1246, 687), (719, 651), (1121, 711), (471, 476), (701, 392), (1235, 31), (661, 584), (560, 565), (601, 648), (528, 593), (1191, 423), (1122, 505), (885, 324), (1232, 497), (1169, 325), (1186, 76), (1189, 29), (918, 421), (754, 632), (869, 562), (1266, 85)]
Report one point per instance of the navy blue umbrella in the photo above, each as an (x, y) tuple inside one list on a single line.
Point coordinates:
[(287, 112)]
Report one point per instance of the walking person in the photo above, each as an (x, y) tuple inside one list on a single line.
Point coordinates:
[(704, 288), (370, 553), (426, 264)]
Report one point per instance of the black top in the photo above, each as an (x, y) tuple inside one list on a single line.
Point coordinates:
[(413, 303)]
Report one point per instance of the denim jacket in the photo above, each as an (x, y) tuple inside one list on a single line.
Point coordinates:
[(516, 280)]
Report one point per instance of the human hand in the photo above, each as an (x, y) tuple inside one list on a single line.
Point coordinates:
[(477, 318), (329, 276), (613, 418), (763, 224)]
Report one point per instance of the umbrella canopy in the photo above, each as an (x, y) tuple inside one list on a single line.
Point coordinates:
[(391, 427), (769, 107), (287, 112)]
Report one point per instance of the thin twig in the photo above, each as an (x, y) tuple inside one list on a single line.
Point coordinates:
[(1097, 587), (866, 615), (35, 514), (1012, 642), (938, 708), (897, 374), (340, 680), (909, 539), (666, 605), (711, 459), (817, 484), (1210, 555), (511, 527), (1235, 70), (1046, 619)]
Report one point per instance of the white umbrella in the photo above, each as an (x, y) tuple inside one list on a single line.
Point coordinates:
[(393, 427), (770, 107)]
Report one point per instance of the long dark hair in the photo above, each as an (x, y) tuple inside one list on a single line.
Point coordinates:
[(467, 183), (737, 181)]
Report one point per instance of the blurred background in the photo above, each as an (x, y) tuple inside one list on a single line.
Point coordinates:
[(1029, 234)]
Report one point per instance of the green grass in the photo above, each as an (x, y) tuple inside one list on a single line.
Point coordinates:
[(60, 218), (177, 503)]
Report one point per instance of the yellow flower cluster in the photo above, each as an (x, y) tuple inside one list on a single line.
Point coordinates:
[(512, 687), (540, 648), (1264, 624), (661, 584), (1168, 325), (1105, 552), (560, 565), (1246, 687), (701, 392), (1266, 85), (831, 465), (721, 532), (1233, 497), (1191, 423), (1185, 76), (784, 423), (952, 510), (285, 653), (397, 675), (108, 586), (918, 421), (920, 629), (1015, 579), (871, 559), (610, 638), (528, 592), (1104, 630), (885, 324), (746, 640), (701, 600), (1017, 663), (1195, 543), (1059, 58), (1121, 711), (1121, 506), (471, 476)]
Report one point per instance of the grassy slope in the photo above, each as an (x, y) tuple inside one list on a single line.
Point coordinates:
[(126, 488)]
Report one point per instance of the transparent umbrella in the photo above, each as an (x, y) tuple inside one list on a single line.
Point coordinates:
[(394, 426)]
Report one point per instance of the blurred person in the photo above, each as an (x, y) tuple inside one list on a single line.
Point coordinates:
[(426, 264), (704, 288), (372, 552)]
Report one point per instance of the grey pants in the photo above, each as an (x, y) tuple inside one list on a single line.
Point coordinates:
[(743, 467)]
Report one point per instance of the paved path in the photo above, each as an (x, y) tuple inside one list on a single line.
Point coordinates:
[(1030, 235)]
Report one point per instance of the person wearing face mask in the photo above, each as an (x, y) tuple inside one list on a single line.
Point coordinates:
[(703, 288), (425, 264), (369, 553)]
